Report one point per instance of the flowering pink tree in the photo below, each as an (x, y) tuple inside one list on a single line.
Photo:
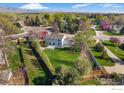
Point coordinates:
[(105, 25)]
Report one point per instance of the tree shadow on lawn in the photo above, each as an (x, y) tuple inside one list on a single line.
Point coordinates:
[(41, 80), (108, 44), (68, 50), (64, 49)]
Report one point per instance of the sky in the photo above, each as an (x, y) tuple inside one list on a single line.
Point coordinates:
[(69, 7)]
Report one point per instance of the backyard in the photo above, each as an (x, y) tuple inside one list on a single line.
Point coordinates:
[(62, 56)]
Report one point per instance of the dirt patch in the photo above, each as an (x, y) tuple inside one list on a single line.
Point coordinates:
[(17, 78)]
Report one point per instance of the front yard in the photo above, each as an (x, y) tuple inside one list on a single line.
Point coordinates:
[(115, 49), (62, 56)]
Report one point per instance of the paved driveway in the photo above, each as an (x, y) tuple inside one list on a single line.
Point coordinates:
[(100, 35)]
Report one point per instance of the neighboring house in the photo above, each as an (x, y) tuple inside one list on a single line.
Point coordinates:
[(117, 28), (55, 40)]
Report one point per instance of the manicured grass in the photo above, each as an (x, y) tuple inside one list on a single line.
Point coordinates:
[(91, 82), (101, 61), (35, 72), (115, 49), (63, 56), (111, 33), (13, 56)]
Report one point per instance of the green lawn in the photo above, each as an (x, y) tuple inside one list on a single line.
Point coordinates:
[(35, 72), (102, 61), (60, 57), (13, 56), (115, 49), (91, 82), (111, 33)]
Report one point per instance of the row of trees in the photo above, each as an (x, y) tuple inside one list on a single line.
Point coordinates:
[(8, 27), (69, 23), (32, 21), (111, 23)]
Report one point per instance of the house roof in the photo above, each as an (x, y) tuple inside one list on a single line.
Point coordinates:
[(55, 36)]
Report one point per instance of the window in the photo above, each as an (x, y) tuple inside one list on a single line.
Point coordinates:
[(53, 43), (58, 39), (58, 43), (49, 43)]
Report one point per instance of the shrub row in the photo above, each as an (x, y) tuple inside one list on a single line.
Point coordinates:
[(44, 56)]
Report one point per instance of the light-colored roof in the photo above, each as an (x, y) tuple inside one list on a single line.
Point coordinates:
[(55, 36)]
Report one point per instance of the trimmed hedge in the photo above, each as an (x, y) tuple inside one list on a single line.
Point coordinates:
[(43, 55), (47, 62)]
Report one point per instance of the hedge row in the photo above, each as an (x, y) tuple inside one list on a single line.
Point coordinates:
[(44, 56)]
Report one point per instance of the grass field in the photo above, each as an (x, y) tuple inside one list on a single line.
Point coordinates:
[(36, 74), (60, 57), (102, 61), (115, 49)]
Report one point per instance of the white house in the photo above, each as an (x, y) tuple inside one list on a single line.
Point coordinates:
[(55, 40), (117, 28)]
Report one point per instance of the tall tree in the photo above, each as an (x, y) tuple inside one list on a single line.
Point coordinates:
[(37, 21)]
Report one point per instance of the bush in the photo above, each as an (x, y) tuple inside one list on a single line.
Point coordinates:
[(122, 46), (115, 41), (116, 76), (99, 47), (104, 55), (65, 76)]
